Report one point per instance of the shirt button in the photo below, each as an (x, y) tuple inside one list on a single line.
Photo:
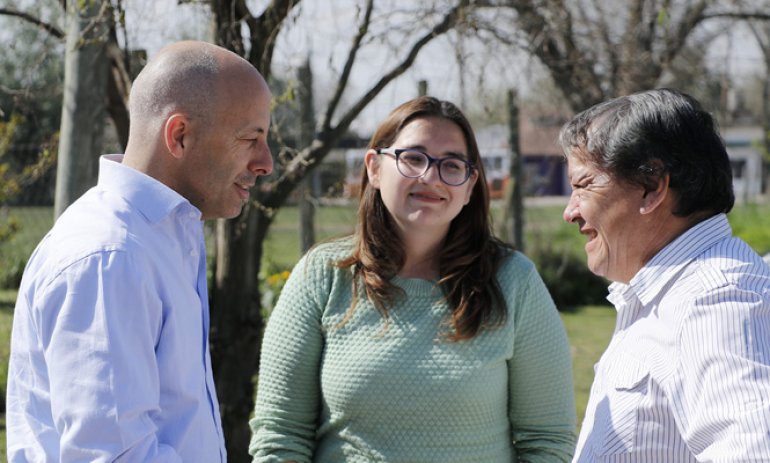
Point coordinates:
[(192, 252), (193, 215)]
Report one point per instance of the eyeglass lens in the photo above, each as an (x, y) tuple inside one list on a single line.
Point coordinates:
[(451, 170)]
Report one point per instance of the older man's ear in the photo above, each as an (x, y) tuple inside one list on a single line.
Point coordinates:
[(654, 197)]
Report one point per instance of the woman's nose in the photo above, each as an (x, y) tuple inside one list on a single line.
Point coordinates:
[(431, 175)]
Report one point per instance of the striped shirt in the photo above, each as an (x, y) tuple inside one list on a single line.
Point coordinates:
[(686, 376)]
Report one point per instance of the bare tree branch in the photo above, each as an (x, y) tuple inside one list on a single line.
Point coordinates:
[(243, 12), (323, 142), (604, 32), (50, 28), (118, 88), (758, 15), (763, 40), (342, 83), (228, 25), (264, 32), (557, 49), (674, 43)]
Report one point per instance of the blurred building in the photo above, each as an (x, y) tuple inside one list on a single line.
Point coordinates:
[(744, 145), (545, 171)]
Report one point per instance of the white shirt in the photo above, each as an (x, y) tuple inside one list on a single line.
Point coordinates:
[(109, 349), (686, 376)]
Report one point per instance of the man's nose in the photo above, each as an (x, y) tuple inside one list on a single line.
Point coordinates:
[(262, 164), (571, 211)]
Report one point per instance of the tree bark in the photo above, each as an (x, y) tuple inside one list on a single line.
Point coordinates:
[(84, 104), (236, 323)]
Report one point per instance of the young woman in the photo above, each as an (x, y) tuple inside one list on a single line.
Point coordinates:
[(421, 338)]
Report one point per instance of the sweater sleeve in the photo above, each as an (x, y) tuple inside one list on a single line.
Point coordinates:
[(541, 405), (288, 395)]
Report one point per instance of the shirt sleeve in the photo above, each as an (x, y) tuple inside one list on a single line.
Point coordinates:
[(541, 404), (723, 393), (288, 393), (98, 325)]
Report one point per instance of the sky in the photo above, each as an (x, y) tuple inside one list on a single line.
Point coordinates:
[(323, 29)]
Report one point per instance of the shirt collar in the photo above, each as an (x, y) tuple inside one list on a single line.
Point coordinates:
[(672, 259), (153, 199)]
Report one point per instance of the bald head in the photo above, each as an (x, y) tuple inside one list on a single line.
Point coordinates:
[(200, 83), (183, 77), (200, 116)]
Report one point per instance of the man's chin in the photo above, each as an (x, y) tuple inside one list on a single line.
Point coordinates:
[(597, 268)]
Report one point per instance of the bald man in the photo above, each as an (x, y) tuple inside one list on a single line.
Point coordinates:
[(109, 350)]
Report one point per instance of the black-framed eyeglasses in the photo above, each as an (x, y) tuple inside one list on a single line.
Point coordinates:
[(412, 163)]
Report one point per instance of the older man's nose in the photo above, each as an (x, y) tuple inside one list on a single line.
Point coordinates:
[(570, 212)]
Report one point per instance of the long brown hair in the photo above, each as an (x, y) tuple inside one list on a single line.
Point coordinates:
[(470, 257)]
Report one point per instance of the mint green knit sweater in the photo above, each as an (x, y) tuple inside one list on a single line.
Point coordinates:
[(363, 393)]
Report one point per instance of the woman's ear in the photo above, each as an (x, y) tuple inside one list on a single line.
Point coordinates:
[(372, 162)]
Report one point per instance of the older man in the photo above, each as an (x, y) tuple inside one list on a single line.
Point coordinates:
[(686, 376), (109, 351)]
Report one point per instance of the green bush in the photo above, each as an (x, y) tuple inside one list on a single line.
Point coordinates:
[(568, 279), (751, 222), (10, 272)]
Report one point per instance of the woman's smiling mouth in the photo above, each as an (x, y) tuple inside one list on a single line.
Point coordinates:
[(426, 196)]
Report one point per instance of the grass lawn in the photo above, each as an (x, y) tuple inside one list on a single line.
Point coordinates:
[(589, 330)]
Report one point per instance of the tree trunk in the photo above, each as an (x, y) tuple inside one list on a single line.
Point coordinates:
[(86, 70), (236, 323)]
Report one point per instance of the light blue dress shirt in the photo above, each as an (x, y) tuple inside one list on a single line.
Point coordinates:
[(109, 350), (686, 376)]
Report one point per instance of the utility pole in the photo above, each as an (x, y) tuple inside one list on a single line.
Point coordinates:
[(514, 212), (307, 131)]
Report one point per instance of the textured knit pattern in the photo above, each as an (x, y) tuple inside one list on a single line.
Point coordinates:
[(364, 392)]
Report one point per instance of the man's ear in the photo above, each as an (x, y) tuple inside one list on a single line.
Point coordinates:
[(653, 198), (372, 168), (175, 134)]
